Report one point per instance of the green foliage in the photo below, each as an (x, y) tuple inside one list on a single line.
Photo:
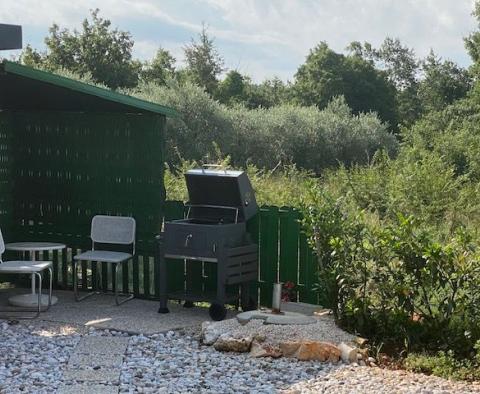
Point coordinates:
[(398, 250), (204, 63), (443, 83), (421, 86), (160, 69), (444, 364), (232, 89), (326, 74), (97, 50), (313, 139)]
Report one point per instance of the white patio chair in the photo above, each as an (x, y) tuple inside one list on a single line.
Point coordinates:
[(27, 267), (108, 231)]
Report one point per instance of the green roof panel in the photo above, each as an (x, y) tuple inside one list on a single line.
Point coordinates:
[(23, 87)]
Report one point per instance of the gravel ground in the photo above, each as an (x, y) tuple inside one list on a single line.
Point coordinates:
[(33, 359)]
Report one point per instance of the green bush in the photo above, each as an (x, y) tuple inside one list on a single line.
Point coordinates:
[(444, 364), (313, 139), (397, 260)]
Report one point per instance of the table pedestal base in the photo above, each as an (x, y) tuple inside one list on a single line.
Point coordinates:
[(30, 300)]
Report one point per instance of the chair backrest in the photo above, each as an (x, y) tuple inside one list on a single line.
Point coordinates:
[(113, 230), (2, 245)]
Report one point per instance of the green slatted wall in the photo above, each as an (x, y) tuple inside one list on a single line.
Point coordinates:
[(69, 167), (6, 160)]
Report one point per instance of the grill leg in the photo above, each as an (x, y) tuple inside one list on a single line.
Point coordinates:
[(221, 275), (217, 310), (162, 280)]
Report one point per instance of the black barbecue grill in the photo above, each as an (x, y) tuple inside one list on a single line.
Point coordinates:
[(214, 231)]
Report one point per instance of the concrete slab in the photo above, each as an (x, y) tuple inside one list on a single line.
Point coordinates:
[(136, 316), (268, 317), (102, 345), (101, 374), (93, 360), (87, 388)]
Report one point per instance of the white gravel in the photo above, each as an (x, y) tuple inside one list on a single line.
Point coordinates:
[(33, 360)]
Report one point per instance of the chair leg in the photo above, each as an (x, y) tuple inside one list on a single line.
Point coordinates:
[(75, 285), (39, 292), (50, 289), (38, 309), (128, 297)]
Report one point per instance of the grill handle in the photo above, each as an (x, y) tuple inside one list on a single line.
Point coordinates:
[(187, 239), (190, 206), (206, 166)]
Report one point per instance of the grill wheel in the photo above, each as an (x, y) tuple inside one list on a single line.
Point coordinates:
[(217, 312)]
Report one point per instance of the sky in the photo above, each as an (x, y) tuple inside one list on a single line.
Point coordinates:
[(260, 38)]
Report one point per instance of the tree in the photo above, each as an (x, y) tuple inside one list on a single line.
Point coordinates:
[(327, 74), (97, 50), (232, 88), (443, 83), (204, 63), (161, 68), (472, 43), (269, 93), (402, 69), (32, 58)]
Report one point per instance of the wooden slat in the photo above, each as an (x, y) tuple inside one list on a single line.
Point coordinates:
[(146, 276), (268, 255), (289, 233)]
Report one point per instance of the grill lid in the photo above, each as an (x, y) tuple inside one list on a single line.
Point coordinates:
[(223, 188)]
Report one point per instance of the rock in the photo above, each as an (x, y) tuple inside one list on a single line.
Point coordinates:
[(289, 349), (320, 351), (348, 353), (360, 341), (323, 312), (226, 343), (259, 338), (209, 333), (263, 350)]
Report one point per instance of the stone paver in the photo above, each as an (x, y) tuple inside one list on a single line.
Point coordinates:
[(93, 375), (93, 360), (280, 319), (102, 345), (87, 388)]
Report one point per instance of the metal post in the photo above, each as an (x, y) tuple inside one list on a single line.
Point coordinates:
[(277, 297)]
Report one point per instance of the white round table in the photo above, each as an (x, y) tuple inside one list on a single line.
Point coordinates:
[(30, 300)]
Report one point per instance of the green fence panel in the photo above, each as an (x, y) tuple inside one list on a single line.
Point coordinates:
[(288, 244), (268, 253), (77, 165)]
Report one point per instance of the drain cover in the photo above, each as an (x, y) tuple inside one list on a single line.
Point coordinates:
[(271, 318)]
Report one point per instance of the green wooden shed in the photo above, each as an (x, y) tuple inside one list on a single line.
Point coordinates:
[(68, 151)]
